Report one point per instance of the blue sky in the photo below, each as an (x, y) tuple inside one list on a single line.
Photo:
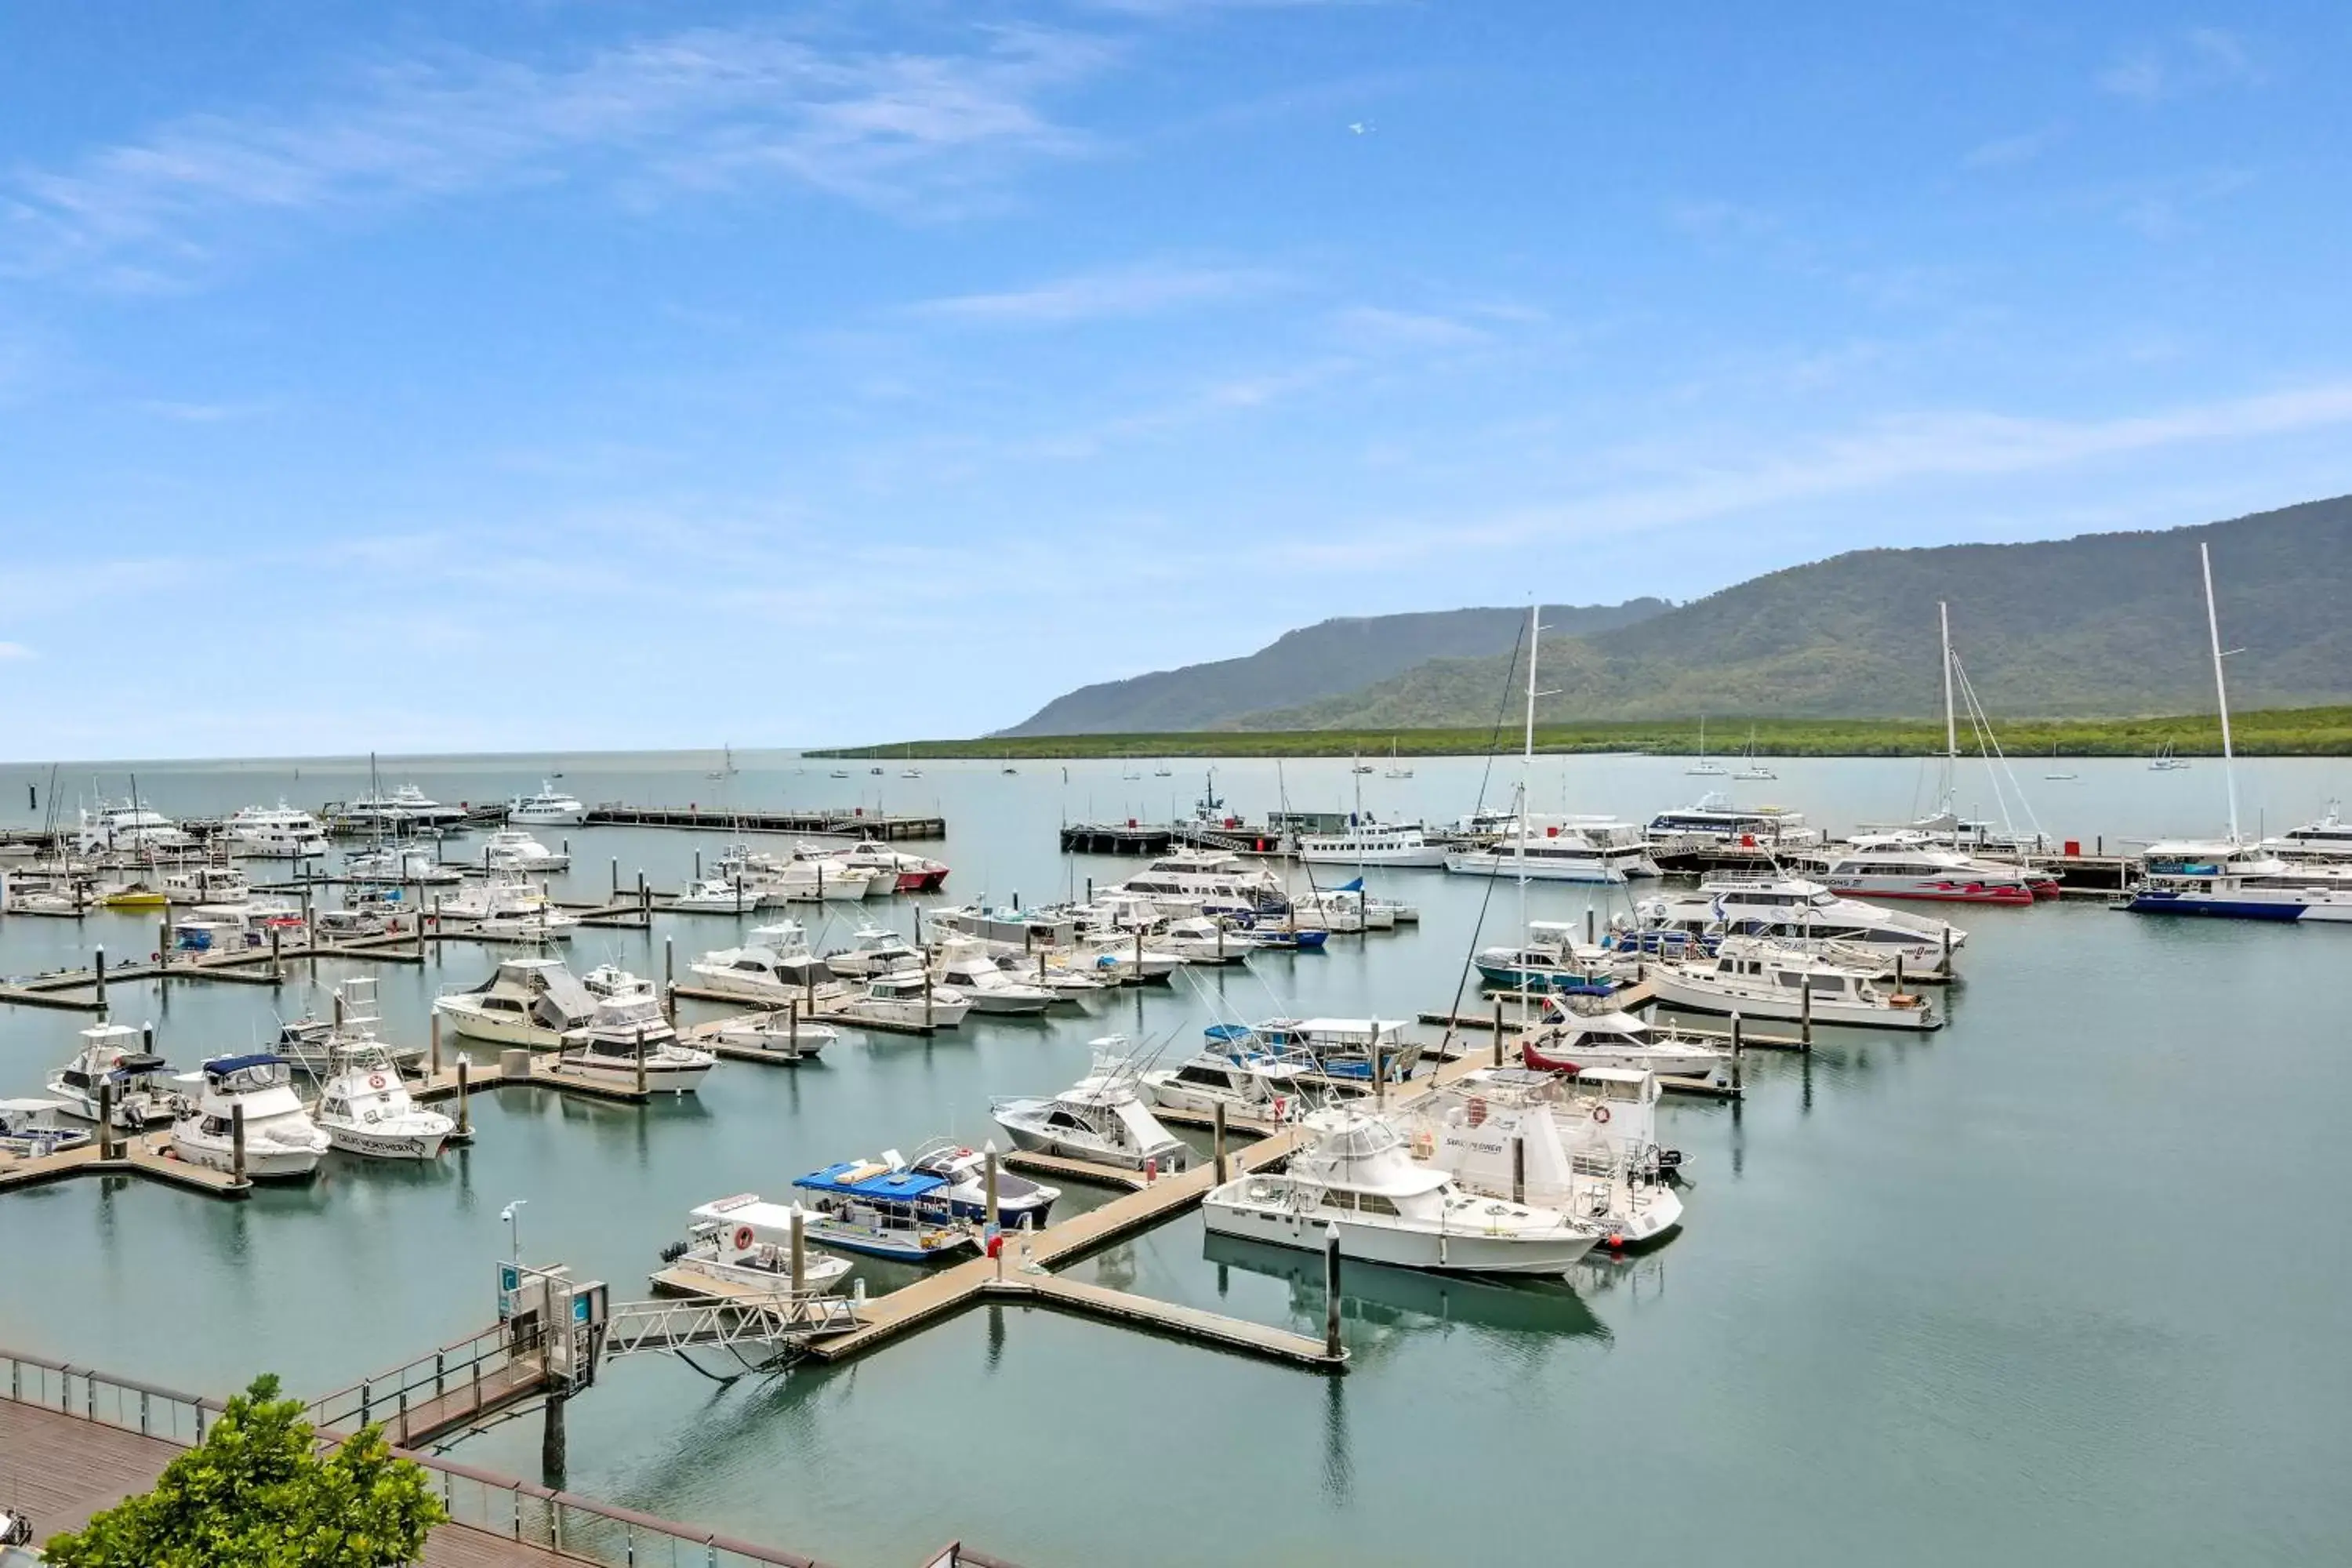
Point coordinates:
[(582, 374)]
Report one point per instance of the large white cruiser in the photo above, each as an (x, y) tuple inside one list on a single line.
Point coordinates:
[(1905, 865), (281, 1143), (1367, 841), (1793, 909), (774, 967), (275, 833), (364, 1108), (550, 807), (1354, 1176), (1586, 1146), (131, 826)]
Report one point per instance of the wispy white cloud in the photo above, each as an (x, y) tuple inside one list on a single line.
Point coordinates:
[(2199, 61), (1372, 327), (1905, 448), (1137, 290), (186, 413), (704, 109), (15, 650), (2008, 152)]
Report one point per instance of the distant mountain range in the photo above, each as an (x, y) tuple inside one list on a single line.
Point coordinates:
[(2103, 625), (1316, 663)]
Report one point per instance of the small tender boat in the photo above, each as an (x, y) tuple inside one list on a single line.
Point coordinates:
[(365, 1108), (628, 1044), (281, 1143), (135, 896), (112, 1054), (1101, 1118), (1021, 1204), (30, 1129), (883, 1209), (531, 1001), (746, 1240), (1354, 1177)]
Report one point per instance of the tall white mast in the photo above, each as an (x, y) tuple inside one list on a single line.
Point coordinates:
[(1951, 730), (1527, 767), (2221, 687)]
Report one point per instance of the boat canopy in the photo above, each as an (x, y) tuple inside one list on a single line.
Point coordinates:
[(872, 1179), (221, 1067)]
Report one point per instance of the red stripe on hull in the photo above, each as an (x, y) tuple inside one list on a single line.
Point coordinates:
[(1972, 895)]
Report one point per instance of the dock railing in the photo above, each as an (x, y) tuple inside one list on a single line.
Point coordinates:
[(482, 1363), (595, 1532), (110, 1401)]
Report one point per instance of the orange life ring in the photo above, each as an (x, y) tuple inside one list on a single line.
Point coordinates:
[(375, 1080), (744, 1238), (1600, 1114)]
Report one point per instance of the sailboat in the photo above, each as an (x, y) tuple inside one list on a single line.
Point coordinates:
[(1395, 771), (2055, 776), (1751, 768), (727, 771), (1359, 765), (1703, 766), (2232, 879), (2164, 761), (1561, 855)]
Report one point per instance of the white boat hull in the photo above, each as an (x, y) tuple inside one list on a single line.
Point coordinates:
[(1755, 1002), (263, 1162), (386, 1145), (500, 1029), (1225, 1212), (660, 1077), (1424, 856)]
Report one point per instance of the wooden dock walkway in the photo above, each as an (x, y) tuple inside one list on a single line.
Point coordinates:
[(144, 1154), (1213, 1329), (838, 824)]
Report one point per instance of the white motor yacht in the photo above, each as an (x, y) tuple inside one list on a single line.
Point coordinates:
[(529, 1002), (2324, 841), (894, 870), (281, 1143), (514, 849), (114, 1054), (1101, 1118), (907, 999), (965, 966), (281, 832), (1716, 823), (1571, 1042), (746, 1241), (128, 827), (550, 807), (364, 1108), (774, 967), (875, 950), (1021, 1204), (1761, 980), (628, 1044), (1246, 1078), (1198, 939), (404, 809), (1354, 1177), (716, 896), (782, 1035), (1792, 907), (206, 885), (506, 906), (1366, 841), (1905, 865), (1511, 1134), (1555, 856), (392, 864)]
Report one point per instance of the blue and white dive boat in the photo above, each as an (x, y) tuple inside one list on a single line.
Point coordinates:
[(30, 1129), (882, 1208), (2229, 878)]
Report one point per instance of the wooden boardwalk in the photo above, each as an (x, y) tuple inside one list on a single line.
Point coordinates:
[(61, 1470), (144, 1154)]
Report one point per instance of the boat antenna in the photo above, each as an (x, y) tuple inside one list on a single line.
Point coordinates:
[(2220, 686)]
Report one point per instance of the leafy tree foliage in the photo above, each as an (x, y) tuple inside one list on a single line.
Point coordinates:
[(256, 1494)]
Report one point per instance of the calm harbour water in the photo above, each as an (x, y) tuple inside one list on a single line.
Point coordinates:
[(2057, 1284)]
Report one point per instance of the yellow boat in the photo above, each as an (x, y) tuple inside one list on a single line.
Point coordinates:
[(135, 897)]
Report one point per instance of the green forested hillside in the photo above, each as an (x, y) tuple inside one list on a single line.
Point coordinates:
[(1314, 662), (2104, 624)]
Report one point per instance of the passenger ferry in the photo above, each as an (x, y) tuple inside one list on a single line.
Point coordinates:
[(1902, 866), (1714, 822), (1366, 841), (2230, 881)]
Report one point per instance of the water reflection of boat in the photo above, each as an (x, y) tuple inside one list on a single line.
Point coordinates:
[(1412, 1299)]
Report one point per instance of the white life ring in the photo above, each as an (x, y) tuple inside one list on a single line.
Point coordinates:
[(1600, 1114), (743, 1239), (375, 1080)]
